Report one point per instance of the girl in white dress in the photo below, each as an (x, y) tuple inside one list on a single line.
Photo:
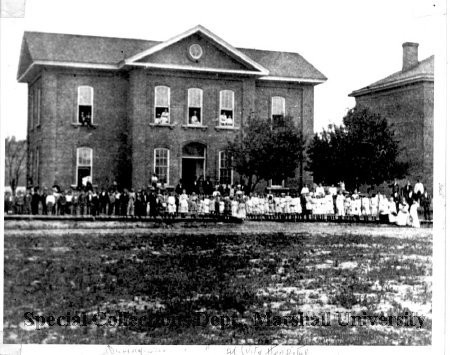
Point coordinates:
[(374, 205), (171, 206), (392, 210), (365, 204), (403, 214), (234, 207), (184, 205), (340, 204), (414, 216), (206, 205), (241, 209)]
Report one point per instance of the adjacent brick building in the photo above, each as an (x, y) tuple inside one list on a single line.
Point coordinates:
[(406, 99), (113, 109)]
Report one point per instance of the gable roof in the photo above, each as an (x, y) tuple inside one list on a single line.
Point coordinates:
[(202, 30), (423, 71), (68, 50)]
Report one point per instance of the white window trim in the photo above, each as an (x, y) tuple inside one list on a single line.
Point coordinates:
[(78, 103), (201, 108), (91, 150), (220, 107), (284, 106), (220, 163), (154, 110), (168, 163)]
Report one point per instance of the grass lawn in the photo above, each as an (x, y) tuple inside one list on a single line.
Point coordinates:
[(183, 282)]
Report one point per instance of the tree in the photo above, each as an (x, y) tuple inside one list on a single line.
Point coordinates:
[(15, 159), (266, 150), (362, 151)]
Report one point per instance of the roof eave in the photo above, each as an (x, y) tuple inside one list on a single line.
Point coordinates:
[(22, 78), (391, 85), (314, 81)]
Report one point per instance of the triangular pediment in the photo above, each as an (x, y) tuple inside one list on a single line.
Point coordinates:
[(197, 49), (25, 59)]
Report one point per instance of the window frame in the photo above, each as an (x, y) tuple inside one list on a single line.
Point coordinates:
[(227, 109), (272, 106), (220, 167), (78, 103), (168, 163), (200, 107), (155, 100), (91, 158)]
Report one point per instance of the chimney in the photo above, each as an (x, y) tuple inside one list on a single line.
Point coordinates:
[(410, 55)]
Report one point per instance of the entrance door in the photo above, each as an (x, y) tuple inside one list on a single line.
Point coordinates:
[(192, 169), (192, 163)]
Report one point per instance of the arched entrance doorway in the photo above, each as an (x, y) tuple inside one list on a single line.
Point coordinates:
[(193, 163)]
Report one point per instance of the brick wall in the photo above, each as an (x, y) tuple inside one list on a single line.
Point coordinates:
[(124, 137), (58, 137), (410, 110)]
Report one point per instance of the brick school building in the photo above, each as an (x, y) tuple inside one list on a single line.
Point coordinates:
[(106, 109)]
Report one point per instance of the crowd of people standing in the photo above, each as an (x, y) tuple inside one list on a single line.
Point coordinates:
[(202, 197)]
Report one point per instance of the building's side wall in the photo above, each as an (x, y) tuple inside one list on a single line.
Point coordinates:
[(42, 136), (410, 110), (428, 135)]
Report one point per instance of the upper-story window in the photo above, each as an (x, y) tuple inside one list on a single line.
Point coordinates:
[(226, 117), (278, 108), (162, 105), (195, 104), (161, 164), (85, 105), (84, 166)]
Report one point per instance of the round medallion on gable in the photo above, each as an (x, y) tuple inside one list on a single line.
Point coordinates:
[(195, 51)]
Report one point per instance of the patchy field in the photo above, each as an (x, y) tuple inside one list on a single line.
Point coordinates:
[(243, 284)]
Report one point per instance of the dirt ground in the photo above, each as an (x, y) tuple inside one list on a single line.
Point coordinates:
[(250, 283)]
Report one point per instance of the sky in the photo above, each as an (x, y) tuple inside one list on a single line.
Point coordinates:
[(352, 42)]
